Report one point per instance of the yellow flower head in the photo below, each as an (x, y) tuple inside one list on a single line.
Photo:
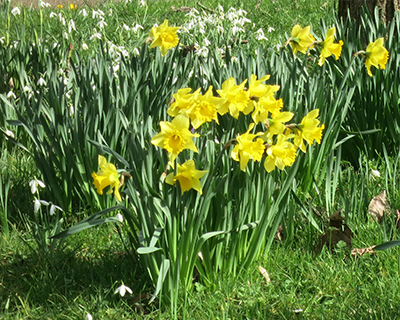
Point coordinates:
[(276, 125), (59, 6), (329, 48), (266, 104), (205, 108), (73, 6), (175, 136), (183, 101), (188, 177), (165, 37), (247, 148), (376, 55), (237, 99), (301, 39), (308, 130), (107, 176), (256, 87), (281, 154)]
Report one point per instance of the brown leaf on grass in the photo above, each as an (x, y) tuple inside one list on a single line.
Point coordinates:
[(378, 206), (360, 252), (181, 9), (336, 231), (279, 233), (264, 273), (397, 218)]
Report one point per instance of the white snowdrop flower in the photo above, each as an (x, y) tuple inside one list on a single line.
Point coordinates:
[(120, 217), (375, 173), (65, 82), (203, 51), (125, 53), (65, 35), (36, 206), (44, 203), (85, 46), (55, 44), (260, 35), (207, 42), (34, 184), (128, 1), (110, 12), (236, 29), (41, 82), (71, 25), (27, 89), (53, 15), (142, 3), (11, 95), (83, 12), (53, 208), (2, 40), (136, 28), (88, 316), (15, 11), (94, 87), (71, 111), (126, 27), (190, 73), (136, 52), (220, 51), (102, 24), (9, 133), (220, 29), (97, 14), (95, 35), (122, 290), (241, 12), (44, 4), (234, 59), (68, 93), (61, 19), (270, 29)]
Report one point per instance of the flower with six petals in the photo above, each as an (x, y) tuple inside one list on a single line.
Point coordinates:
[(329, 48), (107, 176), (188, 177), (376, 55), (164, 37)]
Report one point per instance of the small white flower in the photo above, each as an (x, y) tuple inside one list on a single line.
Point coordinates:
[(122, 290), (203, 51), (45, 4), (110, 12), (36, 206), (53, 15), (207, 42), (136, 28), (9, 133), (270, 29), (2, 40), (41, 82), (120, 217), (95, 35), (53, 208), (220, 29), (71, 111), (83, 12), (71, 25), (66, 35), (102, 24), (142, 3), (136, 52), (16, 11), (27, 89), (88, 316), (85, 46), (260, 35), (34, 183), (126, 27), (11, 95), (375, 173), (44, 202)]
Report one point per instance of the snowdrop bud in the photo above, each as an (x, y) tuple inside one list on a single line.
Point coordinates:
[(122, 290)]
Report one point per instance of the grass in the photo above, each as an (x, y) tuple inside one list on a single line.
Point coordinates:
[(81, 275)]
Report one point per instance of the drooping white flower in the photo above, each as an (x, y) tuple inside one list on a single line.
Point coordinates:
[(260, 35), (122, 290), (136, 28), (120, 217), (16, 11), (83, 12), (71, 25), (41, 82), (85, 46), (34, 184), (53, 208)]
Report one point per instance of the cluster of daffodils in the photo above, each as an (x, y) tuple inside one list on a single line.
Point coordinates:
[(278, 141), (302, 41)]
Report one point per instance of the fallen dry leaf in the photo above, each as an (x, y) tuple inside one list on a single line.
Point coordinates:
[(397, 218), (360, 252), (264, 273), (181, 9), (378, 206)]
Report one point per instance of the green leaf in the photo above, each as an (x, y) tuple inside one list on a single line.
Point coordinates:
[(148, 250), (161, 277), (387, 245)]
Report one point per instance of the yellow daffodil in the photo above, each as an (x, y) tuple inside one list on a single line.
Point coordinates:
[(164, 37), (247, 148), (308, 130), (188, 177), (281, 154), (107, 176), (237, 99), (175, 136), (301, 39), (73, 6), (376, 55), (183, 100), (59, 6), (264, 105), (276, 125), (256, 87), (205, 108), (329, 48)]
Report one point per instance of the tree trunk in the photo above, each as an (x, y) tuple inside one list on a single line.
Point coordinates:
[(387, 8)]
